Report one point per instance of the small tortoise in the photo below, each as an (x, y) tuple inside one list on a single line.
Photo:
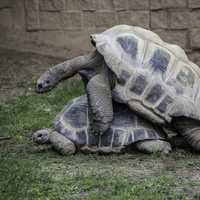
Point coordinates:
[(71, 132), (135, 67)]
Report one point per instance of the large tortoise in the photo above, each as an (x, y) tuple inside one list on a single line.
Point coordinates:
[(135, 67), (71, 132)]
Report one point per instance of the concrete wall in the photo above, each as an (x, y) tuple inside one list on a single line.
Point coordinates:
[(62, 27)]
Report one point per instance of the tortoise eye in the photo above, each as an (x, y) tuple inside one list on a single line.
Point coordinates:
[(47, 81)]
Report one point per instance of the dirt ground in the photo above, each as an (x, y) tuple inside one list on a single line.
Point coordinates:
[(18, 70)]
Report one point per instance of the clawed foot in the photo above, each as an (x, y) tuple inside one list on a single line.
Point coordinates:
[(154, 146)]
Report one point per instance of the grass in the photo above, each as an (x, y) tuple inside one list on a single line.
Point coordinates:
[(29, 174)]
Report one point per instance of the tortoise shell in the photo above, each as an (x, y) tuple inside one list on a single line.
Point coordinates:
[(154, 78), (126, 128)]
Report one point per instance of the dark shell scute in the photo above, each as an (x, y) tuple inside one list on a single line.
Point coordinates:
[(130, 139), (117, 138), (155, 94), (106, 138), (68, 134), (57, 125), (123, 78), (139, 134), (128, 119), (93, 140), (139, 85), (129, 44), (152, 134), (160, 60), (76, 116), (81, 138), (162, 107)]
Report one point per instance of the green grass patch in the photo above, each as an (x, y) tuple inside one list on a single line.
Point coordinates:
[(29, 113), (27, 174)]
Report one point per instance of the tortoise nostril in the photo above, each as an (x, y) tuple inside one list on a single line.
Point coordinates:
[(40, 86)]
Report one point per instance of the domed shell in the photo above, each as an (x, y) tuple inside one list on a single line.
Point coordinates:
[(154, 78), (126, 128)]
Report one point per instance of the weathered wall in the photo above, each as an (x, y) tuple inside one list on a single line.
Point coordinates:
[(62, 27)]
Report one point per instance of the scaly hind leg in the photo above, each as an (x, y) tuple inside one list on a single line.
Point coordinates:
[(60, 143), (153, 146), (189, 129)]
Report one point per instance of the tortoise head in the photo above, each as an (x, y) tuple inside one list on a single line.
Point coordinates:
[(46, 82), (41, 136)]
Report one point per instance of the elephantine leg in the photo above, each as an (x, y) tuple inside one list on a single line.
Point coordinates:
[(61, 144), (100, 103), (67, 69), (190, 130), (154, 146)]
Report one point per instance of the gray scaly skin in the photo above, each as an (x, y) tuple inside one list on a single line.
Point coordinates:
[(71, 132)]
